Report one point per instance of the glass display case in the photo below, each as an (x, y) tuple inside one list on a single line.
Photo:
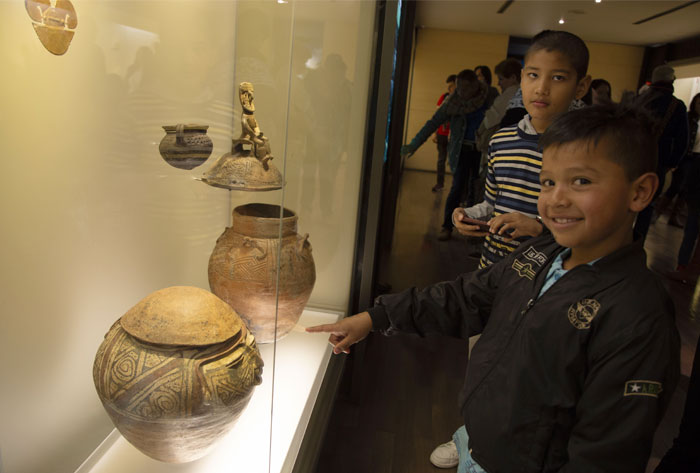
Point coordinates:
[(114, 116)]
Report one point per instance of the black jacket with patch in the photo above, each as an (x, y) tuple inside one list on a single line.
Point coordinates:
[(573, 381)]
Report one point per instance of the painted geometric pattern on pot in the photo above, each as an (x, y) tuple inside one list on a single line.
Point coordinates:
[(252, 260), (146, 381), (237, 258), (249, 268), (128, 363), (233, 380), (228, 391), (168, 396)]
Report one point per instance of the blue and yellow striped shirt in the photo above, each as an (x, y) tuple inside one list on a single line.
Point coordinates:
[(512, 181)]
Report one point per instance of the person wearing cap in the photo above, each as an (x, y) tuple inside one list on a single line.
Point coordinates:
[(671, 131)]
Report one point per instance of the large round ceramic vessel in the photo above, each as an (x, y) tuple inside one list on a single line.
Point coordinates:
[(185, 146), (176, 371), (244, 264)]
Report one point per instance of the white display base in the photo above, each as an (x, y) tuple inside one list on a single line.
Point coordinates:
[(255, 444)]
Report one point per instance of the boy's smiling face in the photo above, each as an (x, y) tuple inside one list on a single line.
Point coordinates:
[(549, 84), (587, 201)]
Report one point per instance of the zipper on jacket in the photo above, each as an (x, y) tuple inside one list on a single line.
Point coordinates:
[(529, 305), (513, 318)]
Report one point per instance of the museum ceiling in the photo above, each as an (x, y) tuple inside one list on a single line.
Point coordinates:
[(630, 22)]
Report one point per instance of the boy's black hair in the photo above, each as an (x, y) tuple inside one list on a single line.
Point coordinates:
[(595, 83), (467, 75), (508, 68), (627, 129), (486, 72), (565, 43), (451, 78)]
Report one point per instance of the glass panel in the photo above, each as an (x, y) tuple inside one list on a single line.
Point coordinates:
[(93, 218), (310, 66), (329, 90)]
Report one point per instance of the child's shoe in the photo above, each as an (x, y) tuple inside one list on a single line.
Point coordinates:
[(445, 455)]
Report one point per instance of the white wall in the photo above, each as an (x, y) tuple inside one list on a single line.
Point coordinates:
[(92, 217), (686, 89)]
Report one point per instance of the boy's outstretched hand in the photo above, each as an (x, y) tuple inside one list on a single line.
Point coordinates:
[(347, 332)]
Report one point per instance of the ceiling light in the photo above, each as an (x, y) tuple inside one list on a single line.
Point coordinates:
[(598, 1), (561, 21)]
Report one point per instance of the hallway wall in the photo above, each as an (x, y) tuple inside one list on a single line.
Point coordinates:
[(438, 54), (619, 64)]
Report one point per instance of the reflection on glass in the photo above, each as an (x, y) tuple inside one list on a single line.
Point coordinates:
[(329, 100)]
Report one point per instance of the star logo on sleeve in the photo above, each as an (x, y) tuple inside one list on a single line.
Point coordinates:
[(638, 387)]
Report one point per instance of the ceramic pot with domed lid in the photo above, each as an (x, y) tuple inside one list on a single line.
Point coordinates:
[(176, 371)]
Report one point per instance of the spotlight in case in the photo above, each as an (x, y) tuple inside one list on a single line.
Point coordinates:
[(561, 21), (598, 1)]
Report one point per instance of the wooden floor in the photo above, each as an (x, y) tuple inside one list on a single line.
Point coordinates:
[(403, 402)]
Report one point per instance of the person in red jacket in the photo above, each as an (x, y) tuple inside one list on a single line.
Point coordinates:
[(441, 137)]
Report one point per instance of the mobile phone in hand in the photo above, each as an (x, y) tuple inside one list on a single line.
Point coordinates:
[(483, 226)]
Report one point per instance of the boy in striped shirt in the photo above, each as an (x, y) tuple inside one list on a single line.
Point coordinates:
[(553, 77)]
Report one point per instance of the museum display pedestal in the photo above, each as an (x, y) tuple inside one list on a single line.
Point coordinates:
[(299, 362)]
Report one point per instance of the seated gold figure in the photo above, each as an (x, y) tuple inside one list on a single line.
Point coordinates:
[(250, 131), (247, 167)]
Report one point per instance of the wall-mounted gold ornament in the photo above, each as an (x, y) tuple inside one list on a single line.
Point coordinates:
[(54, 22)]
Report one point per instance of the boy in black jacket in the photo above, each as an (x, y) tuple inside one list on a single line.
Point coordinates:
[(579, 353)]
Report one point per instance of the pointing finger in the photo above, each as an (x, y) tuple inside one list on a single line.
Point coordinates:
[(328, 328)]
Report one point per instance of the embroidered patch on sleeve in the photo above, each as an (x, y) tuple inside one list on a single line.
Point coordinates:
[(640, 387), (536, 256), (524, 270)]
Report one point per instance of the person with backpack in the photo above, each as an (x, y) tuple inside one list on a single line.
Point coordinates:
[(671, 131)]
